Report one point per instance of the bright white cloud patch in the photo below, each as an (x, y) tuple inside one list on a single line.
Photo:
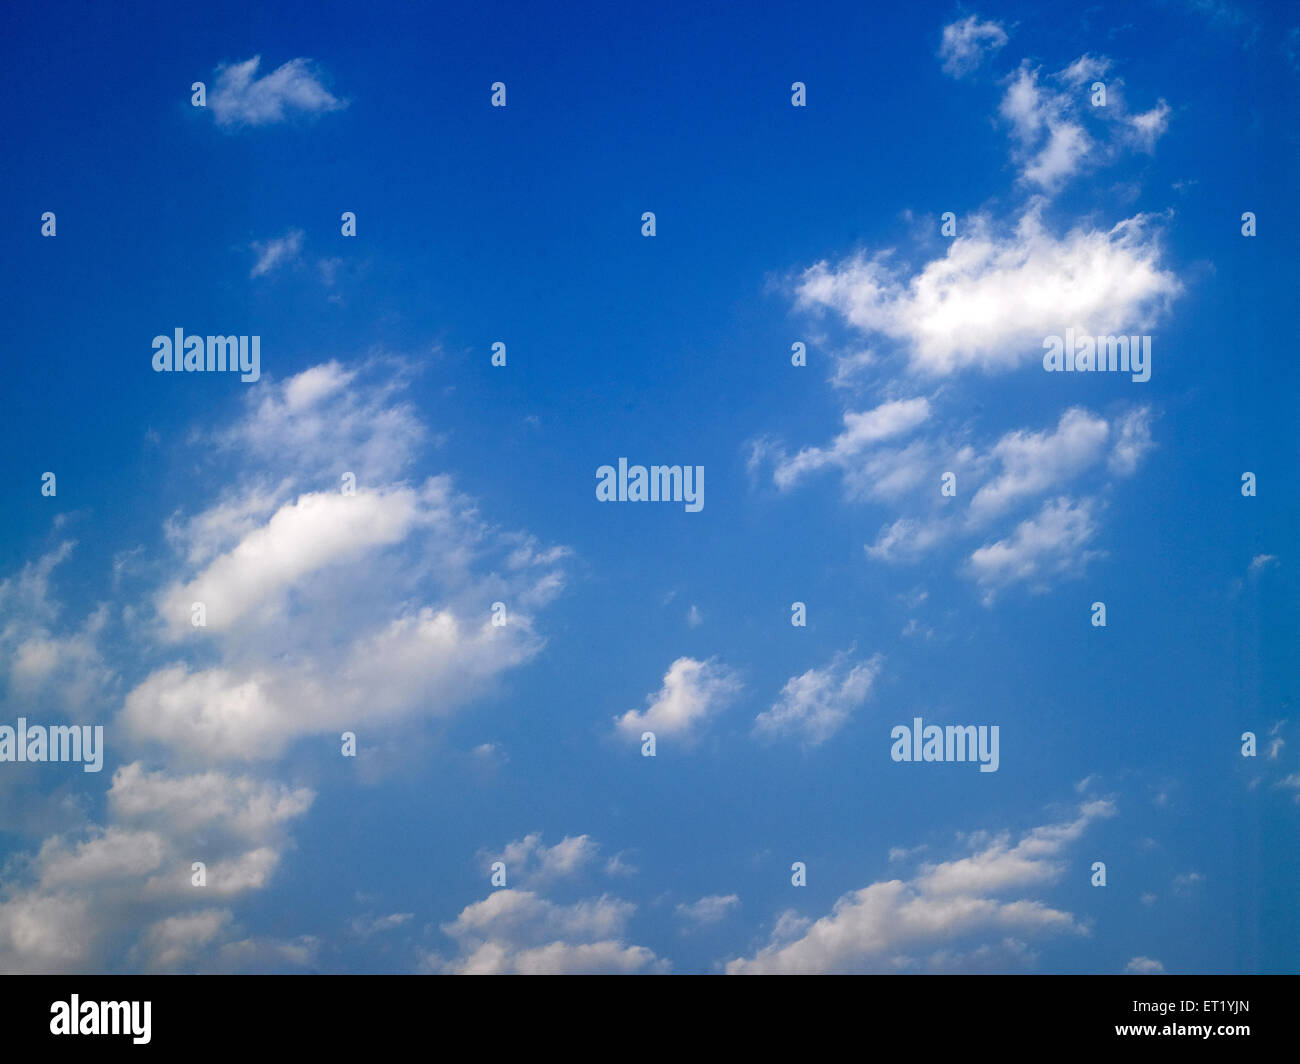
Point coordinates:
[(989, 301), (693, 691), (240, 97), (898, 924), (326, 610), (520, 932)]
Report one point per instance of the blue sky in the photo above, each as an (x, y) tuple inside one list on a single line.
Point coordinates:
[(775, 224)]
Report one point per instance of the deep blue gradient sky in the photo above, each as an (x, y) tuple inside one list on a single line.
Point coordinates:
[(523, 225)]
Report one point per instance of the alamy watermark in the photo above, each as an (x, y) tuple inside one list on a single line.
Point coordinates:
[(956, 742), (1114, 354), (189, 354), (656, 484), (58, 743)]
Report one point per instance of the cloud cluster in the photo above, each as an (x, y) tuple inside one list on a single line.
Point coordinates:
[(240, 98), (889, 926)]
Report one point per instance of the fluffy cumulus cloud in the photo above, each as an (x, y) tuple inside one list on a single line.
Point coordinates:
[(523, 932), (329, 606), (990, 299), (86, 893), (861, 432), (692, 693), (392, 574), (918, 923), (1021, 506), (529, 861), (816, 704), (240, 98)]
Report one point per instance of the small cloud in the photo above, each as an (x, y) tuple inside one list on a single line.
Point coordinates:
[(966, 43), (274, 253), (708, 910), (241, 98), (1144, 966), (694, 617), (692, 692), (1261, 562), (530, 861), (367, 926)]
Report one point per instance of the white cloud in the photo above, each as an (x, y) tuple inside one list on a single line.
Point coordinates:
[(519, 932), (1085, 70), (817, 703), (44, 658), (881, 926), (530, 861), (173, 942), (1053, 542), (302, 537), (989, 302), (324, 619), (692, 692), (273, 253), (711, 909), (1132, 443), (128, 884), (1033, 462), (1144, 966), (326, 611), (44, 933), (1047, 125), (905, 539), (328, 420), (368, 926), (966, 43), (861, 431), (1148, 127), (240, 97)]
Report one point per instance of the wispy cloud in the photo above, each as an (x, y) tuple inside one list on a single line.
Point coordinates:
[(241, 98)]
